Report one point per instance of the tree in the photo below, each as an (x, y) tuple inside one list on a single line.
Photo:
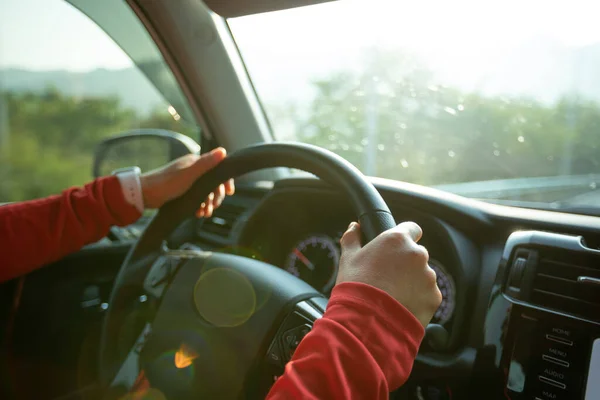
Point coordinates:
[(52, 138), (394, 120)]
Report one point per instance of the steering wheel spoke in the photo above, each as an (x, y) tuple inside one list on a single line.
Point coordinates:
[(294, 327), (129, 373)]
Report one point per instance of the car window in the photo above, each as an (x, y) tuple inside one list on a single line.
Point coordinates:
[(64, 86), (493, 100)]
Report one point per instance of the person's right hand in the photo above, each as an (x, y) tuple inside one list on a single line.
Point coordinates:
[(395, 263)]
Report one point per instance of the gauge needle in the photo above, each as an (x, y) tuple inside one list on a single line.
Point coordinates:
[(304, 260)]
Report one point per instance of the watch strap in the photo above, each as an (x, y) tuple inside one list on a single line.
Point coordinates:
[(131, 185)]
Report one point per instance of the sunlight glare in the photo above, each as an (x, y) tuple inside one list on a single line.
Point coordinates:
[(184, 356)]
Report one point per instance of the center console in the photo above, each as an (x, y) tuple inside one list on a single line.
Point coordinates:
[(551, 336), (551, 358)]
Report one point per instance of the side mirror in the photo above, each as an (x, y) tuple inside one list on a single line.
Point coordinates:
[(145, 148)]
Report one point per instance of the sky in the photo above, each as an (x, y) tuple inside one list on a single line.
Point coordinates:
[(461, 40), (285, 50), (432, 24), (50, 34)]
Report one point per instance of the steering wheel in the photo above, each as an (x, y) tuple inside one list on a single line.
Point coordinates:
[(224, 324)]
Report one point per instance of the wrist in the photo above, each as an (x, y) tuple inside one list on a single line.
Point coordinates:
[(148, 197), (131, 185)]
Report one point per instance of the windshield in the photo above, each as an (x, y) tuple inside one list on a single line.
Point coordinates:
[(489, 100)]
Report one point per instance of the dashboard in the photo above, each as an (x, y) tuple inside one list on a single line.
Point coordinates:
[(299, 229), (489, 276), (521, 311)]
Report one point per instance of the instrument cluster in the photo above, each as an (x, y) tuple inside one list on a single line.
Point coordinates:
[(315, 258)]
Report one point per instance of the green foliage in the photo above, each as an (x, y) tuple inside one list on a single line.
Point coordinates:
[(394, 120), (50, 139)]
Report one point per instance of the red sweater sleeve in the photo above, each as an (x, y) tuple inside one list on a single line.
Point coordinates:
[(363, 348), (37, 232)]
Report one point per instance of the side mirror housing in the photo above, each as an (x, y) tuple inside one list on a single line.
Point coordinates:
[(145, 148)]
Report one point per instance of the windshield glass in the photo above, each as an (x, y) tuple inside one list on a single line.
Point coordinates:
[(489, 100)]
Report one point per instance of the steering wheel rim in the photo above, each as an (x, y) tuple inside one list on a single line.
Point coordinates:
[(369, 207)]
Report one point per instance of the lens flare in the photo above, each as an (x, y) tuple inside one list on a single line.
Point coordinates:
[(264, 294), (224, 297), (184, 356), (175, 367)]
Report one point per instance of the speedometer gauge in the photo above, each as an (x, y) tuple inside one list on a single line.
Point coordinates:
[(446, 285), (315, 261)]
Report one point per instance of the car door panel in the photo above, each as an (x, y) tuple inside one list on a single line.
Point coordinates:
[(54, 342)]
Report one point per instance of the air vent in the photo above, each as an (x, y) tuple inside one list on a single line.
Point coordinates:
[(523, 260), (218, 228), (564, 281)]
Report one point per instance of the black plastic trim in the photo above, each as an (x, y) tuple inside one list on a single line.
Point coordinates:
[(238, 8)]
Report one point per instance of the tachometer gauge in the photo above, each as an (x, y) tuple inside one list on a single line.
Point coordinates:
[(315, 261), (448, 289)]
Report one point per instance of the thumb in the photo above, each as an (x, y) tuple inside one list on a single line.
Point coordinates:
[(208, 161), (350, 241)]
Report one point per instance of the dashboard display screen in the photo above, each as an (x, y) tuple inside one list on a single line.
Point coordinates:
[(592, 391)]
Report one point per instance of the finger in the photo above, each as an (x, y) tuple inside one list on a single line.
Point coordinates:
[(201, 210), (208, 210), (219, 194), (350, 241), (229, 187), (208, 161), (411, 229), (425, 252)]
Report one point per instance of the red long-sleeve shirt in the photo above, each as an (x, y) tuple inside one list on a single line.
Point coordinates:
[(362, 348)]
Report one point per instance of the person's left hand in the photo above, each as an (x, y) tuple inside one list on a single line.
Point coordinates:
[(174, 179)]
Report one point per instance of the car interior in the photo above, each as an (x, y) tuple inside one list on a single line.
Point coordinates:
[(514, 243)]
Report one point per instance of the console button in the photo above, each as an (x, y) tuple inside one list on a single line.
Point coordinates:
[(552, 382), (554, 372), (562, 334), (558, 351), (274, 354), (304, 330), (556, 361), (292, 338), (547, 392), (558, 339), (550, 386)]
